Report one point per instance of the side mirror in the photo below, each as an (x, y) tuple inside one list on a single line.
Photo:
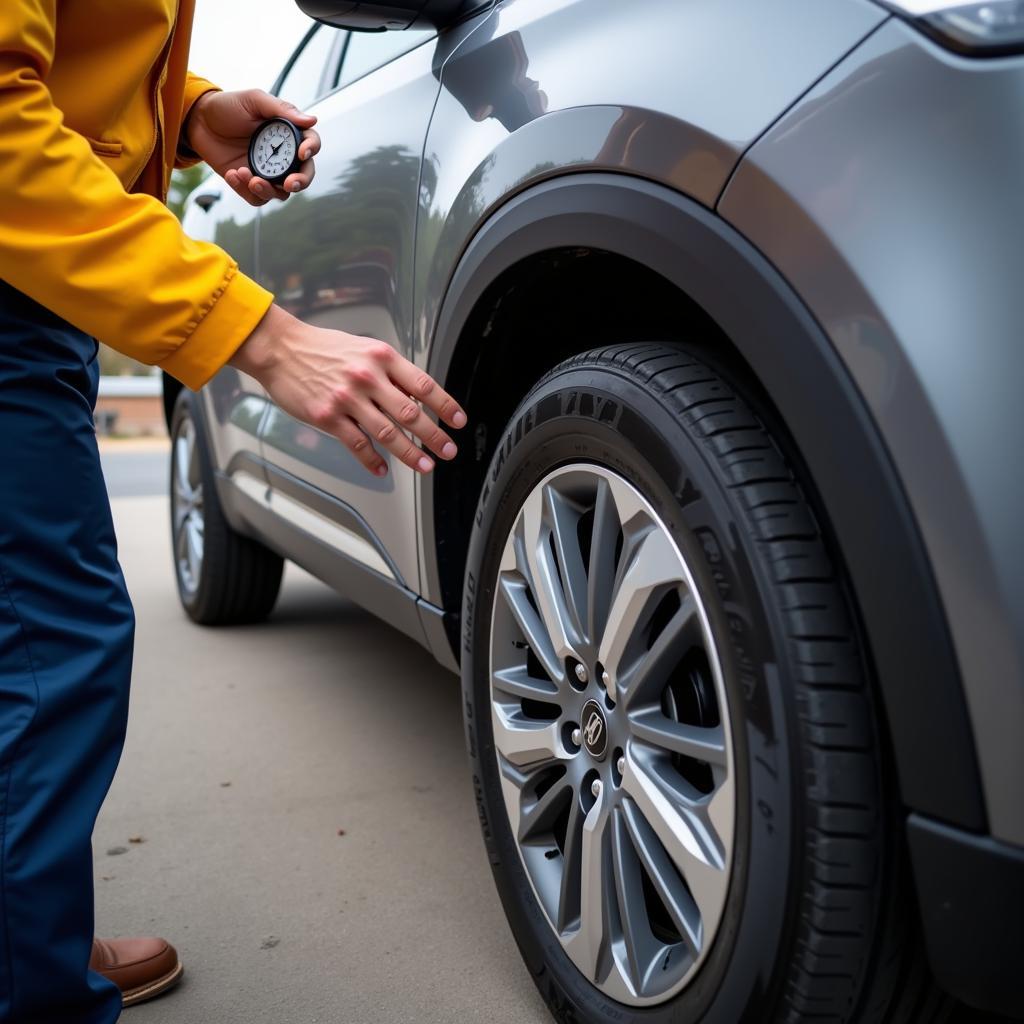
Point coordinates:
[(379, 15)]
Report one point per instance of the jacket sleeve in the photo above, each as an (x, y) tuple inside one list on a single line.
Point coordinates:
[(117, 266), (194, 88)]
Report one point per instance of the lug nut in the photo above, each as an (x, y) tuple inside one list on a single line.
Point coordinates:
[(577, 736), (595, 787), (620, 766), (581, 672)]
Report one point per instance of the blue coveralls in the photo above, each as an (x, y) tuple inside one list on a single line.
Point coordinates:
[(66, 633)]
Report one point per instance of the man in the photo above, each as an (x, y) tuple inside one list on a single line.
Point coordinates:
[(96, 107)]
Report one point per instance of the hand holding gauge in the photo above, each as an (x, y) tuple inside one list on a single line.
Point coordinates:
[(261, 145)]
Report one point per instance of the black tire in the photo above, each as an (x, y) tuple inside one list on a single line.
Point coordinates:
[(238, 579), (819, 923)]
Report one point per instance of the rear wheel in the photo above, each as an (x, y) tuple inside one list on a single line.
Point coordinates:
[(222, 576), (677, 761)]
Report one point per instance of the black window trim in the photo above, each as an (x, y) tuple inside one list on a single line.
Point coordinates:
[(332, 66), (286, 70), (383, 64)]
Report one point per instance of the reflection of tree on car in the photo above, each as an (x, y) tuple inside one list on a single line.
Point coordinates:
[(337, 250)]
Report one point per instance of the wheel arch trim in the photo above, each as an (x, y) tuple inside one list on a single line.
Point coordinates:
[(795, 362)]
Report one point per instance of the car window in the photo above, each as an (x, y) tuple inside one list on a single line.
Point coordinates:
[(304, 80), (369, 50)]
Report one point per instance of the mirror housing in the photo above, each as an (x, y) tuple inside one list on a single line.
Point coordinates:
[(380, 15)]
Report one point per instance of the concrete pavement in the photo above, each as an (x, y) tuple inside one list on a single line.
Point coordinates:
[(250, 750)]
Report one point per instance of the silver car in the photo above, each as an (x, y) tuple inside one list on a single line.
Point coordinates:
[(731, 558)]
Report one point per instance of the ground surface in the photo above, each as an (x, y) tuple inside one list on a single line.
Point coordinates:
[(248, 751)]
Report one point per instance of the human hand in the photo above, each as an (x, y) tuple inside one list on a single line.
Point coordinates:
[(358, 389), (220, 126)]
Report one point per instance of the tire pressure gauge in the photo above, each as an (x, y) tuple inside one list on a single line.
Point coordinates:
[(274, 150)]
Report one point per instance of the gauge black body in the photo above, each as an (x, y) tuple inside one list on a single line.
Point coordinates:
[(274, 150)]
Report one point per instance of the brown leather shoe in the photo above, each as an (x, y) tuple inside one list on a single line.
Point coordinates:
[(140, 968)]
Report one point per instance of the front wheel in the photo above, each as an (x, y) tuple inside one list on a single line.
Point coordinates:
[(676, 756)]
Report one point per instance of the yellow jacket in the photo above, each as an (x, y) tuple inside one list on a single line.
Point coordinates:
[(93, 94)]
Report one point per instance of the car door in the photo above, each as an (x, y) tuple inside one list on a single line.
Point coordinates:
[(340, 255)]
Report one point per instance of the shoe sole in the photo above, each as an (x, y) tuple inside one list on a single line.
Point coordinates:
[(154, 988)]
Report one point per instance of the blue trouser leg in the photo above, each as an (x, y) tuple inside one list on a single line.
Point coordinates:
[(66, 631)]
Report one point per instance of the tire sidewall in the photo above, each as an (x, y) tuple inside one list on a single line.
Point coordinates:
[(591, 414)]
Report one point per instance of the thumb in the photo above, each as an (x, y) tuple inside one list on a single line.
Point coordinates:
[(264, 105)]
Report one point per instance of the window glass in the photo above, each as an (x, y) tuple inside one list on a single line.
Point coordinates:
[(369, 50), (304, 81)]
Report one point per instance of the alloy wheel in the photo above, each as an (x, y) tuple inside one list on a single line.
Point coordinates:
[(612, 735), (187, 507)]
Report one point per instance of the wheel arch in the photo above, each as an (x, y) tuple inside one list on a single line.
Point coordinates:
[(723, 283)]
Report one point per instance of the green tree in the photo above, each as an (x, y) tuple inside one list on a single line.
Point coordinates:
[(182, 184)]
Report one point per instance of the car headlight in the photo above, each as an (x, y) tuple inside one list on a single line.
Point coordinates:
[(991, 29)]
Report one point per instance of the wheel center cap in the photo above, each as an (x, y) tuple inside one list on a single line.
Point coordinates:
[(594, 730)]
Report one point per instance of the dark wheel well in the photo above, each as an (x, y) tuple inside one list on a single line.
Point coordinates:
[(541, 311), (172, 388)]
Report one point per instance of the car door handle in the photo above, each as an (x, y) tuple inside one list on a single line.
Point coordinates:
[(206, 199)]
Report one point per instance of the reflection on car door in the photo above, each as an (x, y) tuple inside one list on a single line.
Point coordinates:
[(340, 255)]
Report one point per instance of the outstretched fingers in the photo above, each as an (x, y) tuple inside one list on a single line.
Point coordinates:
[(419, 385), (404, 411), (348, 432)]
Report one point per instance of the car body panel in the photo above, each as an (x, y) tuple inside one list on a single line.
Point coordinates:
[(892, 199), (541, 87), (340, 256)]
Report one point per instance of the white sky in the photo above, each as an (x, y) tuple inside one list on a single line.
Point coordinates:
[(240, 44)]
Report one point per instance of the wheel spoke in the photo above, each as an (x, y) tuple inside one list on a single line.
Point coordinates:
[(182, 456), (181, 543), (572, 858), (180, 512), (639, 941), (590, 947), (685, 830), (649, 564), (601, 571), (542, 574), (664, 877), (524, 741), (514, 591), (195, 550), (517, 682), (564, 519), (700, 742)]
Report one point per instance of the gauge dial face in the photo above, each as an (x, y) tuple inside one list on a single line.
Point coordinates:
[(273, 150)]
